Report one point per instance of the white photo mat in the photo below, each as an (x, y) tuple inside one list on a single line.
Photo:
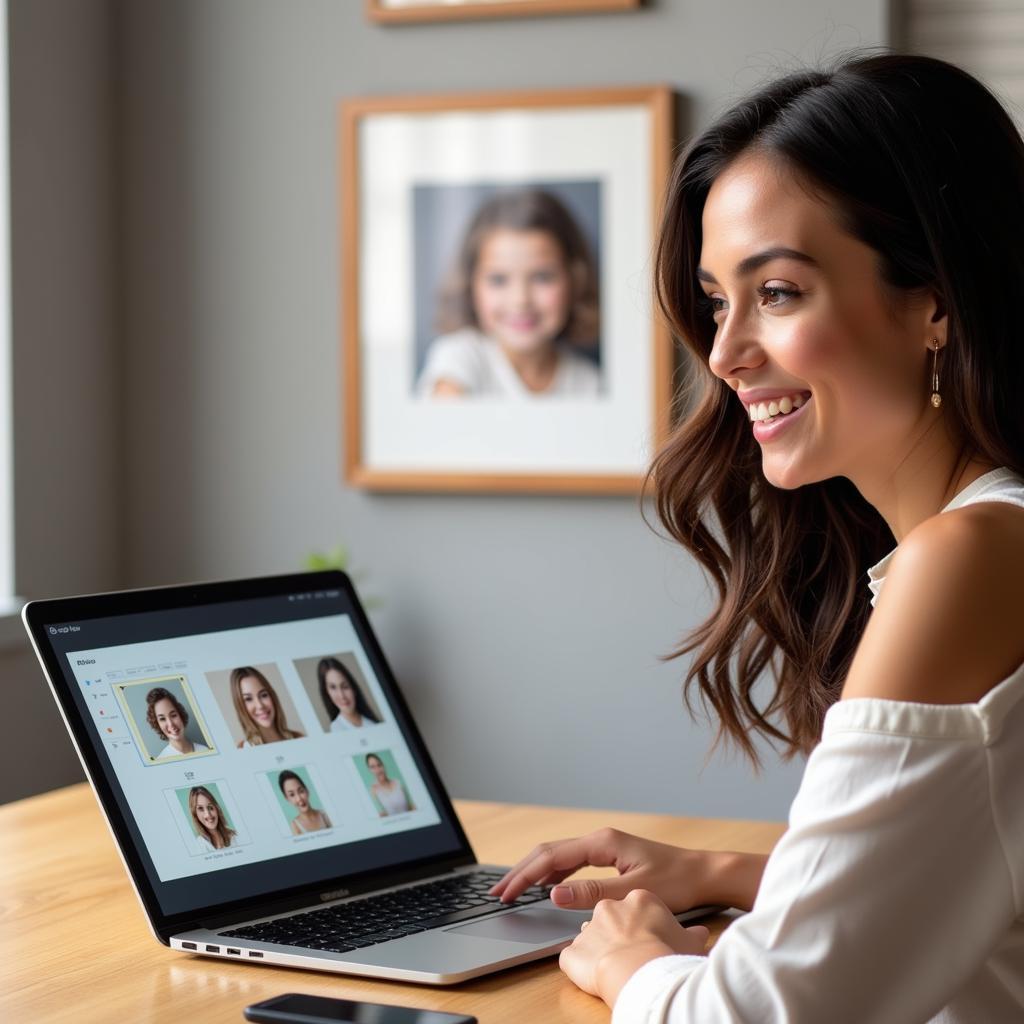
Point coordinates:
[(400, 432)]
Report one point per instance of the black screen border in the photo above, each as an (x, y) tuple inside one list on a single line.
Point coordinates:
[(39, 615)]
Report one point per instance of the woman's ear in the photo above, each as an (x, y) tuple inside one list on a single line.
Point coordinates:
[(938, 320), (929, 310)]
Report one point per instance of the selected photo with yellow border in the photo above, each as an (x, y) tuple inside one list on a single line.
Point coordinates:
[(164, 718)]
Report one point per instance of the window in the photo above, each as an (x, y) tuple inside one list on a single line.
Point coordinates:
[(6, 467)]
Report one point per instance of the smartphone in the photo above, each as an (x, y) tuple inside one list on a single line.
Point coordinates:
[(295, 1008)]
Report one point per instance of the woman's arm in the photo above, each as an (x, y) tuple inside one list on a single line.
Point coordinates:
[(681, 878)]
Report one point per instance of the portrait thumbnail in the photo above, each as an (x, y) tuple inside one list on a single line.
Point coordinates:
[(256, 704), (207, 817), (339, 692), (297, 799), (384, 783), (164, 719)]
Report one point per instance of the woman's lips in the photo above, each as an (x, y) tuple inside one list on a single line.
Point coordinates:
[(765, 432)]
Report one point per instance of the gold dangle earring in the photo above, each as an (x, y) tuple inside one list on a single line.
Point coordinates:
[(936, 397)]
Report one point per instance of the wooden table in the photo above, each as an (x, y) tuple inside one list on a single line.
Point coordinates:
[(74, 944)]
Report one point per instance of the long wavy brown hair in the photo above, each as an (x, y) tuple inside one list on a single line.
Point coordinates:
[(941, 201)]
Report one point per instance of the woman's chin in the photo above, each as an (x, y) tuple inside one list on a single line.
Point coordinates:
[(785, 476)]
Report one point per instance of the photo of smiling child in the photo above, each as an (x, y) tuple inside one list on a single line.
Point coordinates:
[(519, 311)]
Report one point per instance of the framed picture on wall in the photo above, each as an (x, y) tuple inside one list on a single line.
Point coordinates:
[(453, 10), (498, 331)]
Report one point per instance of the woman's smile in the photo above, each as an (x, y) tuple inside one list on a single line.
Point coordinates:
[(769, 425)]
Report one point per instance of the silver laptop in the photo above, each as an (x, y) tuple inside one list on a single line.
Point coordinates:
[(269, 792)]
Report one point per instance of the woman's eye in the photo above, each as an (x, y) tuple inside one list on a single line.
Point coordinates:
[(712, 304), (766, 292), (707, 305), (495, 280)]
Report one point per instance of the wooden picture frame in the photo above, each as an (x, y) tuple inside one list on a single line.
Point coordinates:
[(415, 173), (388, 13)]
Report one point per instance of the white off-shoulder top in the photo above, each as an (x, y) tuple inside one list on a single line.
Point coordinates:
[(897, 894)]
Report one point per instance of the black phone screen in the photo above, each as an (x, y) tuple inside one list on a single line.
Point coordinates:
[(295, 1008)]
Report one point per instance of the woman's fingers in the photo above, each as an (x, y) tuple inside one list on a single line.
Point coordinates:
[(556, 861), (561, 858), (584, 893)]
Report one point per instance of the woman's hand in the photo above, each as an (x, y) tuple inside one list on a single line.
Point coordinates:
[(622, 936), (680, 878)]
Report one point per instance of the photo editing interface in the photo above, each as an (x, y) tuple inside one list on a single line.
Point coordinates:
[(241, 745)]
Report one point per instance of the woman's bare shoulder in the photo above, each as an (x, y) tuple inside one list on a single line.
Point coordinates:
[(947, 625)]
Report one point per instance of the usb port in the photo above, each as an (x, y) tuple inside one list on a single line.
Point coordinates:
[(255, 952), (213, 949), (189, 945), (234, 952)]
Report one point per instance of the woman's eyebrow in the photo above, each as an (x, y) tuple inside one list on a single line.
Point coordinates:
[(751, 263)]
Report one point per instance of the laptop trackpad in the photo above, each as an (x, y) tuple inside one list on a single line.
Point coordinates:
[(536, 925)]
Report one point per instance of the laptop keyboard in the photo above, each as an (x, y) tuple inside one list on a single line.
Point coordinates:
[(392, 915)]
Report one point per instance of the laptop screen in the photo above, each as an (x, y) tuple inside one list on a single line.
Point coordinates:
[(253, 746)]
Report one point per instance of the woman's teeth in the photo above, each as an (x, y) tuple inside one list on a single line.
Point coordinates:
[(764, 412)]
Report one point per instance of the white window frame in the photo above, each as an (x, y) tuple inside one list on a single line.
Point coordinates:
[(8, 604)]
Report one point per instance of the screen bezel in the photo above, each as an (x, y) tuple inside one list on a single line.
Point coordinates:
[(38, 615)]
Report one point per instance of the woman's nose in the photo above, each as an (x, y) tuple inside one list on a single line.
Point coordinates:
[(734, 350)]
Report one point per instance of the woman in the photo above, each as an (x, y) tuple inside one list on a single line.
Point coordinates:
[(208, 821), (168, 718), (391, 796), (309, 819), (843, 259), (343, 700), (259, 711)]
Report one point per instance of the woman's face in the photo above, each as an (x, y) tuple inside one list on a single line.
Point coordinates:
[(207, 814), (168, 719), (257, 701), (521, 289), (376, 765), (339, 689), (296, 794), (854, 367)]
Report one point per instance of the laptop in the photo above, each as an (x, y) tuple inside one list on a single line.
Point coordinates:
[(267, 788)]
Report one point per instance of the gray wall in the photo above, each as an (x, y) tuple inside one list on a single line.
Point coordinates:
[(68, 469), (525, 630)]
